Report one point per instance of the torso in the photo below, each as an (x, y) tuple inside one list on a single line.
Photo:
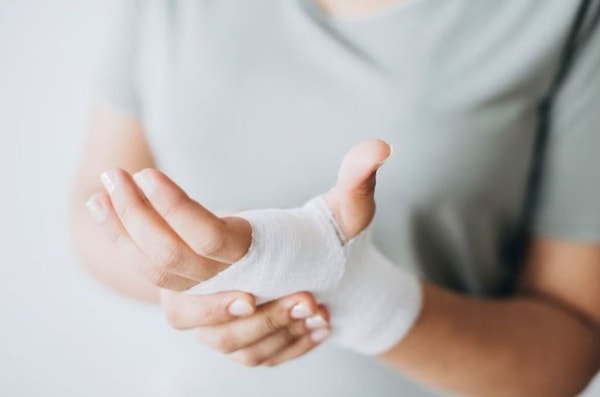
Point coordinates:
[(253, 104)]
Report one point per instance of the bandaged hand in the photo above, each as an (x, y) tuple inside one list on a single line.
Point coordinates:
[(323, 247)]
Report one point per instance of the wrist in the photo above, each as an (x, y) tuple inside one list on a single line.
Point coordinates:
[(376, 303)]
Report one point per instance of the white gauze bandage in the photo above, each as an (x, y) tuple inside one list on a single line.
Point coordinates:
[(372, 303)]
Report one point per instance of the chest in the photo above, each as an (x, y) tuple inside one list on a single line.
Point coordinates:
[(259, 105)]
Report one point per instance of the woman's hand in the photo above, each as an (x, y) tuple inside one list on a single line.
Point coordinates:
[(268, 335), (174, 241), (228, 322), (178, 243)]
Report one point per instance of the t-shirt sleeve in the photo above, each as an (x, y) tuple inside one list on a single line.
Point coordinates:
[(116, 79), (568, 205)]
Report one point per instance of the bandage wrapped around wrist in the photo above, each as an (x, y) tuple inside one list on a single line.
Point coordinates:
[(372, 303)]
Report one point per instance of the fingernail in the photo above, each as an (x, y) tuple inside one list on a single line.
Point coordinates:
[(240, 308), (144, 182), (316, 322), (96, 209), (389, 154), (108, 180), (300, 311), (319, 335)]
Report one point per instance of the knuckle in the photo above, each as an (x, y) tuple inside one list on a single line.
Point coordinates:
[(210, 245), (208, 313), (169, 258), (291, 333), (225, 343), (124, 210), (366, 190), (270, 324), (176, 202), (117, 237), (158, 278), (250, 359)]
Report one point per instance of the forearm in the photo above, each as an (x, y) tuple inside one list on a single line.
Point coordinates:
[(514, 347)]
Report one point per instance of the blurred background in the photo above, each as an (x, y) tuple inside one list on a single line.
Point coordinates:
[(60, 332)]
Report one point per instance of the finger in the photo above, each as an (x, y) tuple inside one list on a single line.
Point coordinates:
[(101, 208), (256, 353), (152, 234), (352, 198), (185, 311), (268, 318), (302, 346), (359, 165), (225, 240), (317, 328)]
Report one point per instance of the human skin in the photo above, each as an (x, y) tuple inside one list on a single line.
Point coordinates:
[(177, 243), (116, 140), (348, 9), (545, 340)]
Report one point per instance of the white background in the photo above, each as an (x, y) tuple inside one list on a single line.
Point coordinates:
[(60, 333)]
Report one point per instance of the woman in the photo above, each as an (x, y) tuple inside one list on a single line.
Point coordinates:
[(491, 195)]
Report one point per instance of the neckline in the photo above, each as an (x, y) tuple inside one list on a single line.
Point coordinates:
[(360, 20)]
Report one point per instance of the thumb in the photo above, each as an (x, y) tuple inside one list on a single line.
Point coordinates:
[(352, 199)]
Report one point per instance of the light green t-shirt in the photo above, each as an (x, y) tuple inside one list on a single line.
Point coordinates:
[(252, 104)]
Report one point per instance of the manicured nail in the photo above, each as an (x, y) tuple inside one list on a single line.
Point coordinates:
[(300, 311), (96, 209), (316, 322), (240, 308), (319, 335), (108, 180), (144, 182)]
